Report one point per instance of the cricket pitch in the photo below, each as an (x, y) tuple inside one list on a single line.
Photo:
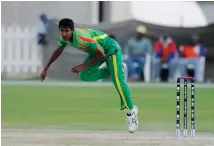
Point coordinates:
[(37, 137)]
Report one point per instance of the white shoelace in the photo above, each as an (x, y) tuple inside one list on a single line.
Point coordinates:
[(130, 119)]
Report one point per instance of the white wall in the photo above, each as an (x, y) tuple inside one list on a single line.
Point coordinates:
[(187, 14), (27, 12), (165, 13), (120, 10)]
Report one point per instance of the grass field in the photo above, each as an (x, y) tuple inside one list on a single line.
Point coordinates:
[(98, 108)]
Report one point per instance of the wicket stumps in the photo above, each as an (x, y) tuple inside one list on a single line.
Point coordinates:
[(186, 79)]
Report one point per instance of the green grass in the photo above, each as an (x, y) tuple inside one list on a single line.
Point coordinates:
[(98, 108)]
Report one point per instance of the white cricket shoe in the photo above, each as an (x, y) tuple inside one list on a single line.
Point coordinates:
[(132, 120)]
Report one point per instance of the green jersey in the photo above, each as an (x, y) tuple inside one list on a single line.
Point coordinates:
[(86, 40)]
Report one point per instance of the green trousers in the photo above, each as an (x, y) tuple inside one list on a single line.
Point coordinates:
[(115, 71)]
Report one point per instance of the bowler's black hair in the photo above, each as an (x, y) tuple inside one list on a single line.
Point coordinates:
[(66, 22)]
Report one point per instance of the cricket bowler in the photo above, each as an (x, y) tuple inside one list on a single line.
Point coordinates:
[(100, 48)]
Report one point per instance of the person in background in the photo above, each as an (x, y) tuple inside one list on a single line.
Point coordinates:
[(42, 30), (165, 53), (135, 53), (190, 56)]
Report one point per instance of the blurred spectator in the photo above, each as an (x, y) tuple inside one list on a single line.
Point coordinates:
[(191, 55), (164, 61), (42, 30), (135, 53)]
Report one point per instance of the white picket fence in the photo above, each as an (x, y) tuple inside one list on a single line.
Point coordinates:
[(20, 54)]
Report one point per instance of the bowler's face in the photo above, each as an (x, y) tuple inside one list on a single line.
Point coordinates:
[(66, 33)]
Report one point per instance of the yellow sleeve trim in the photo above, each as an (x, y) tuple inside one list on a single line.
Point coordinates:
[(99, 37)]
